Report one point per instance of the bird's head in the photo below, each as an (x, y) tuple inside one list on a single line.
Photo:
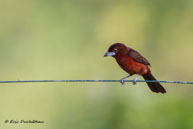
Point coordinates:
[(116, 49)]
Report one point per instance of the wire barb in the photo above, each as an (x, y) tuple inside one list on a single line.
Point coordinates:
[(35, 81)]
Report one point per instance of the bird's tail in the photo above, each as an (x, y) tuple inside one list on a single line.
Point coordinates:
[(154, 86)]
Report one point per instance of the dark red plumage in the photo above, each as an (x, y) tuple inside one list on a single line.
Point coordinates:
[(133, 62)]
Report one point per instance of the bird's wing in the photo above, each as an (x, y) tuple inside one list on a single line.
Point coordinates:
[(137, 57)]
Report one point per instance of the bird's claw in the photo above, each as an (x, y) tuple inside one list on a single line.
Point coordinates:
[(134, 82), (122, 81)]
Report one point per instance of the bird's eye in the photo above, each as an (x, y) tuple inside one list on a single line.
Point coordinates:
[(115, 49)]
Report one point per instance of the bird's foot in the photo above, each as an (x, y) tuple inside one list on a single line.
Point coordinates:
[(122, 82), (134, 82), (122, 79)]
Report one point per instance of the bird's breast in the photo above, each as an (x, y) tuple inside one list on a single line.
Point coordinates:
[(131, 66)]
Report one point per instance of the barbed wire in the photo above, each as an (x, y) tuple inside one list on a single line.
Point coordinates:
[(36, 81)]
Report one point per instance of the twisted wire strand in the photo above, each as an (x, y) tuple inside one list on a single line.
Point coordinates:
[(36, 81)]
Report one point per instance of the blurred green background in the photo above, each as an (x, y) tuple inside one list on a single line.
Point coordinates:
[(66, 39)]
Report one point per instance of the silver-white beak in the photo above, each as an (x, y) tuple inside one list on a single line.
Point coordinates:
[(109, 54)]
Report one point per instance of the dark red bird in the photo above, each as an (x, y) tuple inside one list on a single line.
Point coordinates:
[(133, 63)]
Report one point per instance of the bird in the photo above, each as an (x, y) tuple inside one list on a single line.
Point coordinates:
[(133, 63)]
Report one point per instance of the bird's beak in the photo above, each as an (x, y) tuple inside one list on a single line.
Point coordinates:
[(109, 54)]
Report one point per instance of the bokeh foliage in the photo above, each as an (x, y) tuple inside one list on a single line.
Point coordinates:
[(66, 39)]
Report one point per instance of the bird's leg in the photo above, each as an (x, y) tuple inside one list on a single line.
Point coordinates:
[(134, 81), (122, 79)]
